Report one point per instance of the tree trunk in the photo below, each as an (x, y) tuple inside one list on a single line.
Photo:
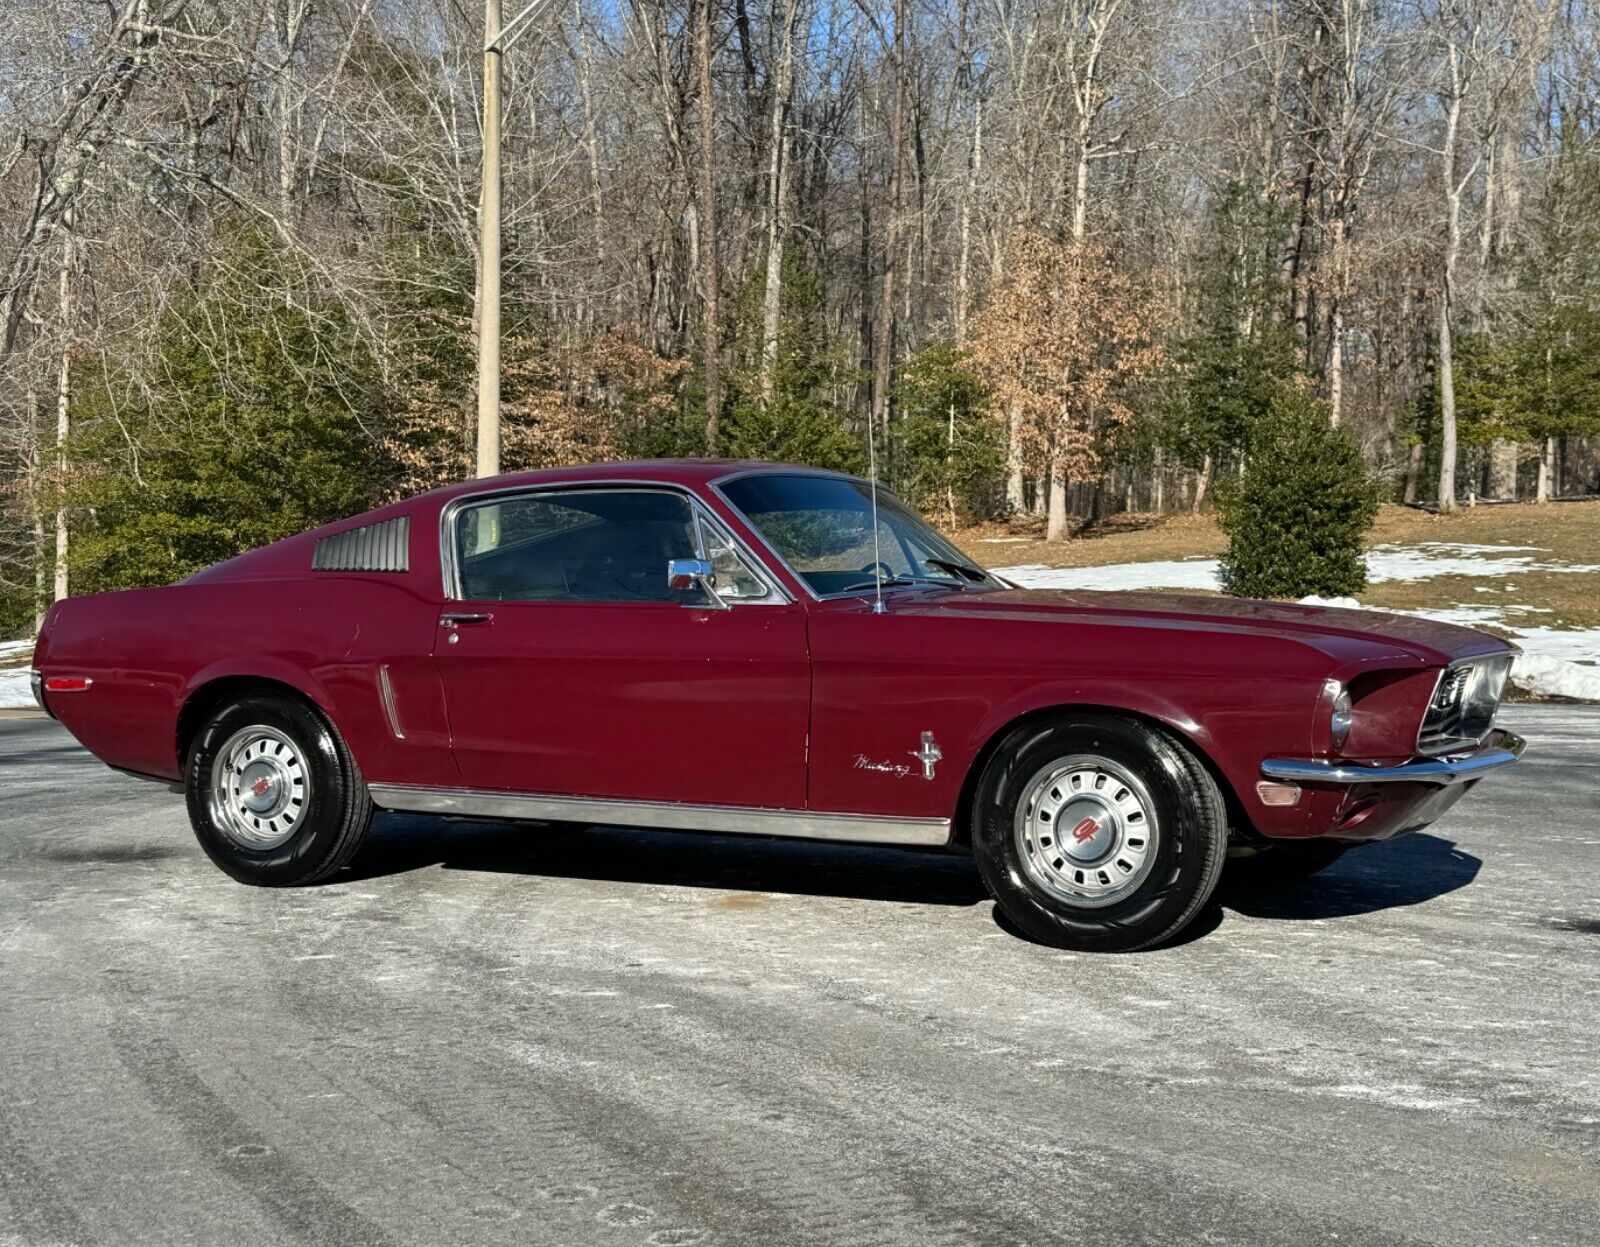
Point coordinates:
[(1503, 456), (63, 403), (1413, 472), (777, 205), (710, 270), (591, 144), (969, 190), (1202, 482), (1056, 511), (1336, 325), (1447, 359), (949, 464), (1016, 500), (1547, 462)]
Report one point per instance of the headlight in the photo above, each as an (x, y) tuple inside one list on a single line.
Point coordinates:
[(1340, 720), (1463, 705)]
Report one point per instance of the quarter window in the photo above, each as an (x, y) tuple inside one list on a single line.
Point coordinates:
[(737, 581)]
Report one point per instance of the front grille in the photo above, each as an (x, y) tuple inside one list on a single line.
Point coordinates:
[(1463, 706)]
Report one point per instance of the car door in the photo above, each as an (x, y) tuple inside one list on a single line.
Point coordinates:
[(571, 668)]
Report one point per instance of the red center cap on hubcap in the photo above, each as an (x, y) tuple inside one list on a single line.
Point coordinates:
[(261, 787), (1085, 830)]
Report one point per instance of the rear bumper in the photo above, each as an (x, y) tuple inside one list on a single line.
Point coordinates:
[(1500, 748), (36, 683)]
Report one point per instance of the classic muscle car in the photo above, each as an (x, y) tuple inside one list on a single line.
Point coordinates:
[(751, 648)]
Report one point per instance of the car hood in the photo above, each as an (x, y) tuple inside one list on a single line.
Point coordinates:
[(1340, 631)]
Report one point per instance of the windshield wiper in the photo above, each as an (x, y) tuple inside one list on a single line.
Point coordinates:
[(966, 570), (891, 582)]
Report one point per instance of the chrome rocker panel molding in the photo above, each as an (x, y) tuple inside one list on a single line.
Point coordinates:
[(1499, 748), (664, 815)]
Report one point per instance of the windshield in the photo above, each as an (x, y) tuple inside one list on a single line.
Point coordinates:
[(822, 528)]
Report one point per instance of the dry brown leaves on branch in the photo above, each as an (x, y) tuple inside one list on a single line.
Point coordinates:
[(1064, 331)]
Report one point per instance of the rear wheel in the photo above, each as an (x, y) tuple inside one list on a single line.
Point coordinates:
[(274, 795), (1098, 833)]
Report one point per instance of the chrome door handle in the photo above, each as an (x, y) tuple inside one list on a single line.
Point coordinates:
[(453, 619)]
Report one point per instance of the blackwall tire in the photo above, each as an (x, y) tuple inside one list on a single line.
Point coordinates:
[(274, 795), (1098, 833)]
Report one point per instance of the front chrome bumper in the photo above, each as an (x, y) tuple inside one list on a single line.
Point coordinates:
[(1499, 748)]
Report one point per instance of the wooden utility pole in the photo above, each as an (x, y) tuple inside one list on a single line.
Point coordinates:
[(489, 251), (883, 335), (710, 270)]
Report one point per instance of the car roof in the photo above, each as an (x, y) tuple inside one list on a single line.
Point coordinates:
[(666, 471)]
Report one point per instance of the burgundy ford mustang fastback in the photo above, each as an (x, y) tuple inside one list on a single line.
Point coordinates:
[(745, 647)]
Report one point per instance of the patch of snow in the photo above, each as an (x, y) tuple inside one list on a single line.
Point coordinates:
[(1447, 558), (1581, 645), (1191, 574), (1555, 677), (1344, 603), (1002, 541), (16, 693), (15, 649), (1384, 563)]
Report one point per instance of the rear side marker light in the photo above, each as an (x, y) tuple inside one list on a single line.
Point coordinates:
[(1278, 794), (67, 684)]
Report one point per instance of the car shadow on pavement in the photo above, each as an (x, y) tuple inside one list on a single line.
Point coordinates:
[(1395, 874), (1389, 875), (401, 843)]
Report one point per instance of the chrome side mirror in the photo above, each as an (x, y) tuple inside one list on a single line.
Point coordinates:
[(692, 573)]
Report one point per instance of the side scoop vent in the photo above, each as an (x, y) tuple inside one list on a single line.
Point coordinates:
[(381, 547)]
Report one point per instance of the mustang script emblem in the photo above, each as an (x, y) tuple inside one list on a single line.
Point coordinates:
[(928, 755), (898, 769)]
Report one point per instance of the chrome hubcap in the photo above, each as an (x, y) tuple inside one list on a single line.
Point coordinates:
[(259, 788), (1086, 830)]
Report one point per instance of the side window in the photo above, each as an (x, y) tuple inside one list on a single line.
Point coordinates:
[(583, 546), (736, 579)]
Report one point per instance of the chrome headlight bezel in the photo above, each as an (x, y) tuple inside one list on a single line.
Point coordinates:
[(1341, 718), (1461, 709)]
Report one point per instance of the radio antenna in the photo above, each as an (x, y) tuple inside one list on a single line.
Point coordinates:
[(872, 474)]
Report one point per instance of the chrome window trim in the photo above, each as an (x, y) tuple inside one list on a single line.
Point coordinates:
[(449, 578), (715, 486), (705, 520), (665, 815)]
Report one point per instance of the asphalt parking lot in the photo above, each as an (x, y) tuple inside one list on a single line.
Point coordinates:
[(493, 1035)]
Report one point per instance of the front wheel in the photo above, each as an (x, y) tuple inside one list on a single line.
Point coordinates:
[(1098, 833), (274, 795)]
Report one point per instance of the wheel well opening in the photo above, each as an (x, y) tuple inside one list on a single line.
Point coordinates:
[(208, 698), (962, 823)]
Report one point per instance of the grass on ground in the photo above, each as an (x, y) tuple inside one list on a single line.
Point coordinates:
[(1566, 532)]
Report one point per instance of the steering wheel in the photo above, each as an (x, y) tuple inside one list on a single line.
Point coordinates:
[(878, 571)]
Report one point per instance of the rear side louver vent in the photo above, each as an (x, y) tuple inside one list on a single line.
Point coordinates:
[(382, 547)]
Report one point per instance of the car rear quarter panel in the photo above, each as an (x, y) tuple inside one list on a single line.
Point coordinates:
[(325, 635)]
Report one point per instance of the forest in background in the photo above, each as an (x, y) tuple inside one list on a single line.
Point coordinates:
[(1053, 257)]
